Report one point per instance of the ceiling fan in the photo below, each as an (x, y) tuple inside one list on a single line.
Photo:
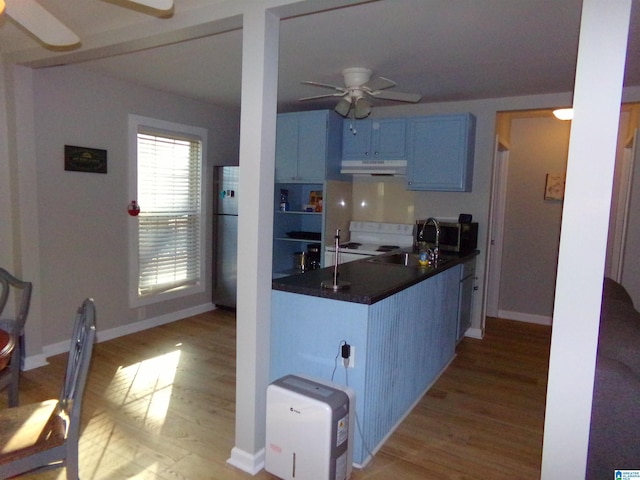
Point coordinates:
[(51, 31), (358, 87)]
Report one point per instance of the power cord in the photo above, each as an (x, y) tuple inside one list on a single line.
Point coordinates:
[(344, 351), (364, 443)]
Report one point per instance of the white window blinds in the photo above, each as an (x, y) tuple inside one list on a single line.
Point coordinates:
[(170, 223)]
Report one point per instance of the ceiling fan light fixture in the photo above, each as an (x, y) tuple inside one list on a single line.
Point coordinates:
[(362, 108), (2, 6), (358, 91), (563, 113), (343, 106)]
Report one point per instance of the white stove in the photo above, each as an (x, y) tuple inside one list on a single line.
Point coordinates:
[(371, 238)]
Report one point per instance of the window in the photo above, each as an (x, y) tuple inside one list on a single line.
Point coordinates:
[(168, 237)]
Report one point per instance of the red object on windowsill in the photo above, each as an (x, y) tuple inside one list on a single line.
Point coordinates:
[(133, 208)]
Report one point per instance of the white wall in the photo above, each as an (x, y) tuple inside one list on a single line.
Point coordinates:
[(6, 242), (539, 146), (82, 218)]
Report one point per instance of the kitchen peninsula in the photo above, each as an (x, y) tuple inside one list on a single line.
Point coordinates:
[(400, 321)]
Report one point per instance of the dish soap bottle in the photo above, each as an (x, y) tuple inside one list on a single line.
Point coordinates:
[(423, 257)]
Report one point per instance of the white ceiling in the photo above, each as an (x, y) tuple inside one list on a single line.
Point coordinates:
[(445, 50)]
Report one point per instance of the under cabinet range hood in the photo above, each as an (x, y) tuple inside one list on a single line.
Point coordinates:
[(374, 167)]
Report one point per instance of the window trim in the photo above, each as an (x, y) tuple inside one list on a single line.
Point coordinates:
[(135, 123)]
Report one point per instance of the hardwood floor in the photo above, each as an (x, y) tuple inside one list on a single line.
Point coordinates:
[(159, 404)]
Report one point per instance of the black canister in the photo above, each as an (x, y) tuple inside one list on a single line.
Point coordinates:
[(313, 256)]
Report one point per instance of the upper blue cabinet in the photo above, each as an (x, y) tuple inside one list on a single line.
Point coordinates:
[(308, 146), (440, 152), (383, 139)]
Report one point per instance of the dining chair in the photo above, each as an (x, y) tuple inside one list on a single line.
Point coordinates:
[(14, 325), (45, 435)]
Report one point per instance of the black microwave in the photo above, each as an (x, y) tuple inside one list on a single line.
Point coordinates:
[(454, 237)]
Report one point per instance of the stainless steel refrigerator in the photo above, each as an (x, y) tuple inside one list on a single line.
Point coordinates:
[(225, 236)]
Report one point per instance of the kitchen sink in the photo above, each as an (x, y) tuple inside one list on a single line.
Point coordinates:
[(407, 259)]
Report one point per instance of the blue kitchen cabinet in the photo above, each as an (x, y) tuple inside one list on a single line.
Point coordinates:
[(308, 225), (308, 150), (308, 146), (383, 139), (441, 152)]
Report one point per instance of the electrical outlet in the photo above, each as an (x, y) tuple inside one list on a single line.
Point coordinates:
[(352, 357)]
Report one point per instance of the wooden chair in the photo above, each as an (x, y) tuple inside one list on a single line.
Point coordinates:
[(10, 376), (45, 435)]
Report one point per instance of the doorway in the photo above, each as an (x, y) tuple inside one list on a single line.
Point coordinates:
[(530, 148), (526, 136)]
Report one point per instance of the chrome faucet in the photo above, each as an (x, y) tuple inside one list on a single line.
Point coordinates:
[(434, 252)]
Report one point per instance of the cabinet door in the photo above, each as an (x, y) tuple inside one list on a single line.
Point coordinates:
[(388, 139), (286, 148), (383, 139), (356, 139), (441, 152), (312, 146)]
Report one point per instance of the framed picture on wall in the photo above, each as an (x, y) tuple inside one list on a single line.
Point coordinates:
[(84, 159), (554, 186)]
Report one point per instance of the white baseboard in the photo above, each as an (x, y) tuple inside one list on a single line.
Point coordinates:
[(104, 335), (525, 317), (474, 333), (34, 361), (247, 462)]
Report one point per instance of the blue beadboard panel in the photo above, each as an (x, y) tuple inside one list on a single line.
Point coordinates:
[(402, 343), (306, 334)]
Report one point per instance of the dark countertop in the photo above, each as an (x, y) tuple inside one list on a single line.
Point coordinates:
[(370, 282)]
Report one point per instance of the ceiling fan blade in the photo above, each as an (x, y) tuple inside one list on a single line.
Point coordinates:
[(379, 83), (163, 5), (32, 16), (325, 85), (326, 95), (397, 96)]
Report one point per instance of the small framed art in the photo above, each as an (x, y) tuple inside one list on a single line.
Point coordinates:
[(554, 187), (84, 159)]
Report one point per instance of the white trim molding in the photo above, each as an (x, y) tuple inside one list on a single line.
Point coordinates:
[(35, 361), (525, 317), (247, 462)]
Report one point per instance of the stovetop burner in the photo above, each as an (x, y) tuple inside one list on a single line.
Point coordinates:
[(351, 245), (387, 248), (375, 238)]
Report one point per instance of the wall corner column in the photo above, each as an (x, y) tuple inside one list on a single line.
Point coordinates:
[(602, 49), (255, 213)]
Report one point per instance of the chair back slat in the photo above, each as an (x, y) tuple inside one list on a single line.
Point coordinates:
[(82, 341), (16, 323)]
